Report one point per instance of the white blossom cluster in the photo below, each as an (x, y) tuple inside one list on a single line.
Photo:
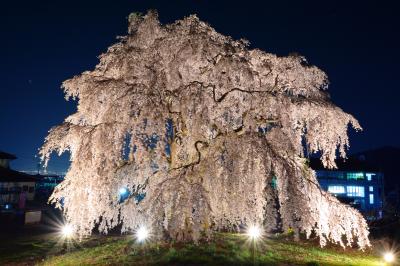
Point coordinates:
[(205, 134)]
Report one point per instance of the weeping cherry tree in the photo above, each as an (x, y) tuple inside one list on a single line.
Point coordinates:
[(204, 134)]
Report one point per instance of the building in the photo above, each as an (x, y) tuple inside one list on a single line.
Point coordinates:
[(386, 160), (5, 159), (354, 183), (45, 185), (362, 190), (15, 187)]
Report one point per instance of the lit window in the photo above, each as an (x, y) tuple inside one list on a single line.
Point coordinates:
[(371, 198), (355, 191), (355, 176), (334, 175), (371, 188), (336, 189), (330, 174), (369, 176)]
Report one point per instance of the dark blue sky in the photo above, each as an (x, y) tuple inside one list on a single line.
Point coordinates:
[(45, 42)]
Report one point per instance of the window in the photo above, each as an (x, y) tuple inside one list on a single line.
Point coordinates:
[(25, 188), (369, 176), (355, 176), (15, 190), (355, 191), (371, 188), (371, 198), (31, 189), (330, 174), (333, 175), (336, 189)]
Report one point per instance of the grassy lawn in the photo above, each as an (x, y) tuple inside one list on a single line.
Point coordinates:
[(226, 249)]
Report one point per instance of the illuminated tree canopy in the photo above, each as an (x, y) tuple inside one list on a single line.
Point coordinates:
[(204, 134)]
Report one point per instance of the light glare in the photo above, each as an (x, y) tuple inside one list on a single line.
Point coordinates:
[(67, 230), (142, 234), (388, 257), (254, 232)]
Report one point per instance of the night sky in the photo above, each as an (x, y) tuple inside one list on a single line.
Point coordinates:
[(46, 42)]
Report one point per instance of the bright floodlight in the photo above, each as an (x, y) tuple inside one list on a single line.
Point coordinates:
[(67, 231), (254, 232), (142, 234), (123, 191), (388, 257)]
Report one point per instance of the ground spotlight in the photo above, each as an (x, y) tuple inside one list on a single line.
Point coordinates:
[(388, 257), (142, 233), (254, 232), (67, 231)]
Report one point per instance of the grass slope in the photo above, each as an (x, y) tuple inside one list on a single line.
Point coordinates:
[(226, 249)]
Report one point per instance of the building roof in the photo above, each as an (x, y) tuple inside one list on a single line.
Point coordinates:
[(42, 177), (9, 175), (5, 155)]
